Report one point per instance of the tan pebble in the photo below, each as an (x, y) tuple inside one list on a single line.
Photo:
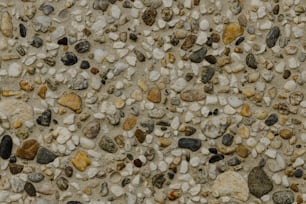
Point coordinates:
[(129, 123), (17, 124), (243, 132), (171, 57), (292, 140), (119, 141), (81, 161), (238, 50), (163, 142), (87, 191), (10, 93), (286, 133), (42, 91), (248, 91), (177, 160), (154, 95), (231, 32), (226, 150), (270, 136), (142, 84), (119, 103), (72, 101), (137, 95), (289, 172), (299, 199), (26, 86), (62, 111), (189, 42), (120, 166), (261, 114), (253, 77), (246, 110), (242, 20), (242, 151), (192, 95), (6, 25), (283, 119), (174, 194)]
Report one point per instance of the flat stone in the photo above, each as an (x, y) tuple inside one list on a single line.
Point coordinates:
[(198, 55), (259, 183), (72, 101), (189, 42), (251, 61), (272, 36), (107, 144), (189, 143), (283, 197), (15, 168), (231, 184), (286, 133), (129, 123), (231, 32), (6, 146), (45, 156), (81, 161), (154, 95), (28, 149), (272, 119), (207, 74), (192, 95)]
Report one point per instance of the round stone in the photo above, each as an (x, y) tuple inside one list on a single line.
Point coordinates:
[(6, 146), (69, 59), (29, 188), (227, 139)]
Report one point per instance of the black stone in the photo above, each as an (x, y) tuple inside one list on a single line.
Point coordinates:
[(286, 74), (46, 9), (215, 158), (272, 36), (68, 171), (170, 175), (37, 42), (211, 59), (239, 41), (29, 188), (207, 74), (227, 139), (138, 163), (158, 180), (63, 41), (74, 202), (125, 181), (271, 120), (234, 161), (6, 146), (13, 159), (298, 173), (213, 150), (190, 143), (198, 55), (84, 64), (82, 47), (133, 37), (259, 183), (69, 59), (45, 118), (45, 156), (251, 61), (283, 197), (22, 30)]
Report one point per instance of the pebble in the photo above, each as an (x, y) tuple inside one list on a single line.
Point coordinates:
[(28, 149), (149, 16), (258, 182), (6, 25), (92, 129), (283, 197), (15, 168), (234, 161), (81, 161), (198, 55), (154, 95), (140, 135), (251, 61), (207, 74), (272, 36), (101, 5), (22, 30), (72, 101), (231, 32), (82, 47), (189, 42), (36, 177), (68, 171), (190, 143), (37, 42), (29, 188), (158, 180), (62, 183), (6, 147), (45, 156), (107, 144), (84, 64), (167, 14), (192, 95), (45, 118), (46, 9), (69, 59), (231, 184), (227, 139), (129, 123), (271, 120)]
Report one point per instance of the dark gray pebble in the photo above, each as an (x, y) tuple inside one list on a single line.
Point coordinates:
[(29, 188), (69, 59), (190, 143), (37, 42), (258, 182), (298, 173), (107, 144), (234, 161), (140, 57), (227, 139), (74, 202), (211, 59), (84, 64), (271, 120), (251, 61), (272, 36), (82, 47), (45, 118), (198, 55), (158, 180), (207, 74), (45, 156), (36, 177), (92, 129), (22, 30), (68, 171), (6, 146), (215, 158)]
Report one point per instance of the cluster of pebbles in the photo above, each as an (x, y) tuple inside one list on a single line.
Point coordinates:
[(152, 101)]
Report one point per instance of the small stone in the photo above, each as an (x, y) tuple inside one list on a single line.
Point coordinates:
[(227, 139), (26, 85), (189, 143), (174, 195), (234, 161), (207, 74), (272, 36), (28, 149), (188, 130), (100, 5), (6, 147), (36, 177), (215, 158), (283, 197), (149, 16), (72, 101), (211, 59), (15, 168), (45, 118), (46, 9), (129, 123), (166, 14), (154, 95), (271, 120), (73, 202), (29, 188), (258, 182), (22, 30), (298, 173), (189, 42), (84, 64), (68, 171), (37, 42), (158, 180), (192, 95), (63, 41), (140, 135), (296, 98), (139, 55), (242, 151), (62, 183), (92, 129), (242, 20), (198, 55), (79, 83), (231, 184), (69, 58), (231, 32), (42, 91), (81, 161), (138, 163), (286, 133), (82, 47), (45, 156), (6, 25), (107, 144), (251, 61), (245, 110)]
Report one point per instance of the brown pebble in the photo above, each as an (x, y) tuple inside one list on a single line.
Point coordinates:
[(174, 194), (129, 123), (26, 86), (28, 149), (154, 95), (245, 110), (215, 37), (211, 59), (242, 151), (42, 91), (140, 135), (286, 133), (68, 171), (71, 101), (299, 199), (94, 70), (294, 187), (119, 141), (15, 168), (189, 42)]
